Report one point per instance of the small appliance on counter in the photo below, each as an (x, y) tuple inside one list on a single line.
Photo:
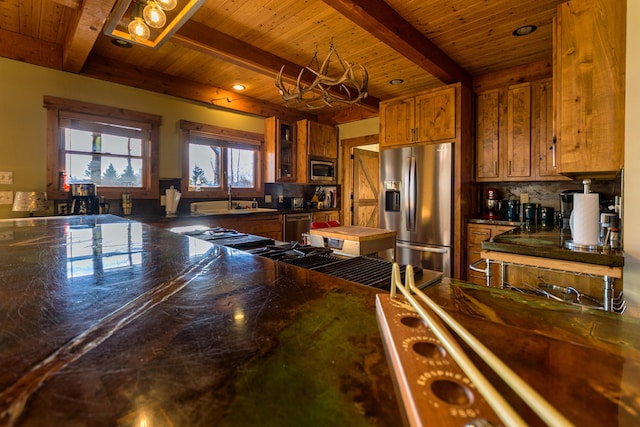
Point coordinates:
[(83, 199), (511, 210), (492, 205)]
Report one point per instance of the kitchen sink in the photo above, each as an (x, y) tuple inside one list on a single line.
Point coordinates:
[(221, 207)]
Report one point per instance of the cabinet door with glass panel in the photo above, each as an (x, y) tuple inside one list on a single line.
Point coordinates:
[(280, 151)]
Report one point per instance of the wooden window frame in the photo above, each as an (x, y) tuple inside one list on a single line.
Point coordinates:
[(200, 130), (56, 150)]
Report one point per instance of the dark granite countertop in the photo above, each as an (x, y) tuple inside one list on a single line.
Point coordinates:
[(494, 222), (549, 243), (107, 321)]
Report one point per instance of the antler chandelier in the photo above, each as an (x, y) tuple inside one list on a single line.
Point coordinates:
[(346, 86)]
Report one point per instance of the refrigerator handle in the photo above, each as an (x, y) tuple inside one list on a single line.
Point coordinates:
[(423, 248), (407, 193), (413, 188)]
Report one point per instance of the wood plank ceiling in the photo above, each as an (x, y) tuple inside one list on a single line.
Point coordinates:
[(426, 44)]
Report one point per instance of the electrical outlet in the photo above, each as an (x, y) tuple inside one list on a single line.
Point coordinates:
[(6, 177), (163, 200), (267, 198), (6, 197), (280, 198)]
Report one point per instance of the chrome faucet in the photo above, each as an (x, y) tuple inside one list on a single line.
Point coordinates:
[(229, 192)]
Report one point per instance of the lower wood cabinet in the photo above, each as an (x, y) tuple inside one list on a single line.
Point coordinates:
[(326, 216), (476, 234), (266, 225)]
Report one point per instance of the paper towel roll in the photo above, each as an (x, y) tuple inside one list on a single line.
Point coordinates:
[(170, 201), (584, 219)]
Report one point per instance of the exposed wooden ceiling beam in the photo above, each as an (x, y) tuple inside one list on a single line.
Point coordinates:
[(87, 22), (379, 19), (212, 42), (125, 74), (30, 50)]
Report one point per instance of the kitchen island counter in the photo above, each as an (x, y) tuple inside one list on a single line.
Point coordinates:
[(108, 321)]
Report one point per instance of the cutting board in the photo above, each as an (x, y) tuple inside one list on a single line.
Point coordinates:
[(353, 232)]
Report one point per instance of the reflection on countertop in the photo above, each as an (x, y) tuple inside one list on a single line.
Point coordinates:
[(107, 321)]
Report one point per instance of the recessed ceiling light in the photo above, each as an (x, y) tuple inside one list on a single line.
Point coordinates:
[(239, 87), (121, 43), (396, 82), (524, 30)]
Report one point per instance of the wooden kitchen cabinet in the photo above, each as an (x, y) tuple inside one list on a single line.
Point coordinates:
[(515, 135), (589, 73), (321, 140), (476, 234), (325, 216), (503, 134), (427, 117), (314, 140), (280, 151), (263, 224), (488, 136), (543, 142)]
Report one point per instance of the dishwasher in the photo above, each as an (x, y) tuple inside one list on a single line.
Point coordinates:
[(295, 225)]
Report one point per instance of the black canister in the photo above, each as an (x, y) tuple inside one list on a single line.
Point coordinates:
[(511, 210), (545, 217), (529, 213)]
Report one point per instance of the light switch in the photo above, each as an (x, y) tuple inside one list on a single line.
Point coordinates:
[(6, 177), (6, 197)]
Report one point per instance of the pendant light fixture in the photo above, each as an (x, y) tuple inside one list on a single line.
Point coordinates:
[(139, 30), (146, 22), (153, 15), (167, 4)]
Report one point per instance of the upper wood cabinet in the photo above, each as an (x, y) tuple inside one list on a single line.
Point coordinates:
[(543, 142), (488, 135), (428, 117), (280, 151), (589, 68), (320, 140), (503, 134)]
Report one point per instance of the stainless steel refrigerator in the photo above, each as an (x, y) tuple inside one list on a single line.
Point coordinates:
[(416, 201)]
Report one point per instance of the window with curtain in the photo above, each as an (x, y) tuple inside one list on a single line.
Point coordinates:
[(217, 159), (115, 149)]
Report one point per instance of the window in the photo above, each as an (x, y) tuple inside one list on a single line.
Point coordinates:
[(115, 149), (218, 159)]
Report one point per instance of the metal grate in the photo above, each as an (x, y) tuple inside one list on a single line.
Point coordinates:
[(364, 270)]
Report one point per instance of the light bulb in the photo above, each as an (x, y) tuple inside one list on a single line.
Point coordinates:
[(167, 4), (153, 15), (138, 29)]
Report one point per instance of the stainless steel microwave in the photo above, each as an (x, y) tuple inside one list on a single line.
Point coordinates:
[(322, 170)]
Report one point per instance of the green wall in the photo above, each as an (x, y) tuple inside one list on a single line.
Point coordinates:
[(23, 119)]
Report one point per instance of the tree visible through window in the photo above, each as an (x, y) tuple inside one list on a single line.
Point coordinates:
[(218, 158), (104, 159), (114, 148)]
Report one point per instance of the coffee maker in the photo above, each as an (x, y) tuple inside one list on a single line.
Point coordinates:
[(83, 199), (492, 205)]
